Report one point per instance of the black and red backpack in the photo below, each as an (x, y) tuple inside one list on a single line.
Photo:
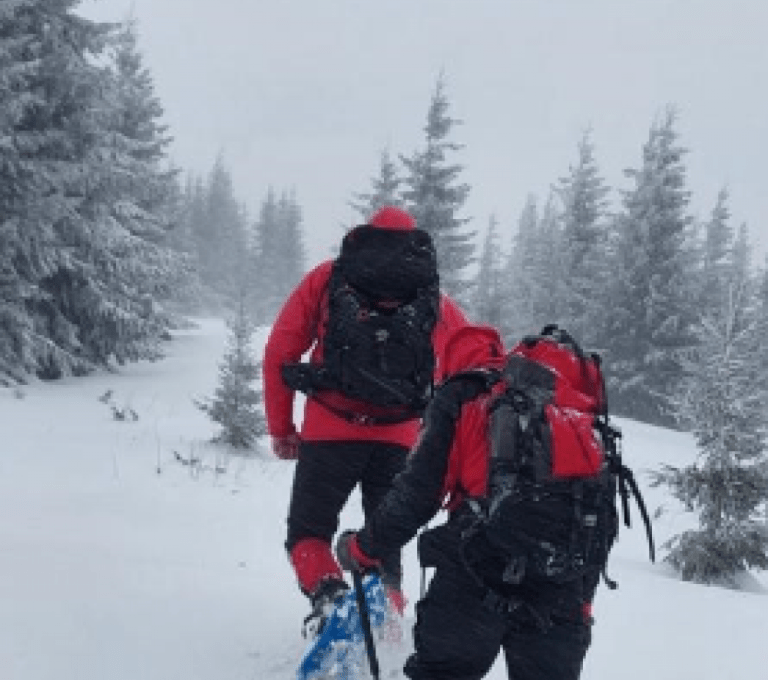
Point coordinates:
[(555, 472), (383, 302)]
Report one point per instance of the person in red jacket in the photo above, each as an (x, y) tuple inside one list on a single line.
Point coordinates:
[(543, 629), (342, 443)]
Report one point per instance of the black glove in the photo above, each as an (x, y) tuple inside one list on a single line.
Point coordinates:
[(350, 555), (452, 394)]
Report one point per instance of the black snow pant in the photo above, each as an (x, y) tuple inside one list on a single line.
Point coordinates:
[(326, 474), (457, 635)]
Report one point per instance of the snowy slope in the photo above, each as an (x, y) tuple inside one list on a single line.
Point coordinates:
[(119, 562)]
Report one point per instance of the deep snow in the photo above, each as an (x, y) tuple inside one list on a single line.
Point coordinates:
[(119, 561)]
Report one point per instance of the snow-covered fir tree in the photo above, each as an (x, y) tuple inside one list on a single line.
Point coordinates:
[(519, 280), (762, 289), (488, 294), (649, 311), (20, 345), (142, 139), (550, 261), (17, 357), (583, 193), (292, 252), (265, 289), (435, 197), (532, 283), (184, 238), (385, 189), (221, 235), (134, 207), (279, 256), (46, 87), (717, 257), (236, 404), (741, 253), (80, 255), (722, 401), (191, 215)]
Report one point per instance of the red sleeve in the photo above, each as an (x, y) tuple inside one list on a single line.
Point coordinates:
[(467, 471), (295, 330), (451, 319)]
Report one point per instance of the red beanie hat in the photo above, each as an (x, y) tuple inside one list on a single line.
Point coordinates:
[(390, 217)]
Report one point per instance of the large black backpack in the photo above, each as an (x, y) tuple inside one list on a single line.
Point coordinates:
[(383, 302), (555, 472)]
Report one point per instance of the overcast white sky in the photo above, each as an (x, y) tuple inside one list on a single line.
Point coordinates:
[(304, 94)]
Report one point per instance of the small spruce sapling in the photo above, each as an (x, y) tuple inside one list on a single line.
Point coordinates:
[(236, 402)]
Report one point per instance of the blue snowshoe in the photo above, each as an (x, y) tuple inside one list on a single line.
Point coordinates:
[(338, 651)]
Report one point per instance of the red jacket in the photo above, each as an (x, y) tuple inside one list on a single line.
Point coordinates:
[(300, 327), (467, 470)]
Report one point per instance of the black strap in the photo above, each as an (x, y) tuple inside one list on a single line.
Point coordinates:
[(386, 387), (559, 335), (625, 481), (477, 380), (626, 478)]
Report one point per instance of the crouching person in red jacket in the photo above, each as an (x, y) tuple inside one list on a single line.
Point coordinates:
[(472, 608), (376, 324)]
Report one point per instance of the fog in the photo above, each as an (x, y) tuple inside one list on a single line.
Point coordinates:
[(304, 95)]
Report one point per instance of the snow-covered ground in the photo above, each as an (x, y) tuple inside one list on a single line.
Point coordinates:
[(119, 561)]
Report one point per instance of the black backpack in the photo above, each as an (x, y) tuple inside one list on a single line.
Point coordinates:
[(383, 303), (555, 470)]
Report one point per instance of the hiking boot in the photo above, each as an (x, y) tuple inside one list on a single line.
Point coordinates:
[(327, 595)]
